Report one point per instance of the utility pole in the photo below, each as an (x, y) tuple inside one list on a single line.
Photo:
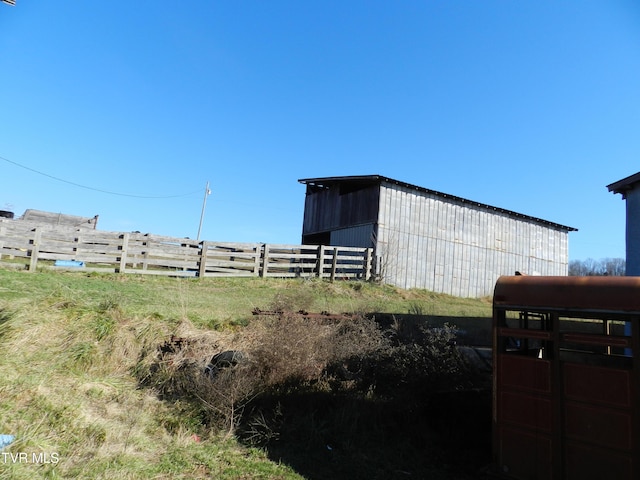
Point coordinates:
[(207, 192)]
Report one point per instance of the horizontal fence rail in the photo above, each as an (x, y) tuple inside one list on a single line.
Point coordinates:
[(103, 251)]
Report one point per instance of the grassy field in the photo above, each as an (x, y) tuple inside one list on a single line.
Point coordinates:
[(73, 346)]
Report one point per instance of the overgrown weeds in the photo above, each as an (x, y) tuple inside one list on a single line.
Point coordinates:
[(319, 386), (351, 398), (281, 354)]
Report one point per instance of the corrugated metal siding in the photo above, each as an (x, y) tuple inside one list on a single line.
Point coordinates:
[(426, 241), (358, 236), (329, 209), (633, 231)]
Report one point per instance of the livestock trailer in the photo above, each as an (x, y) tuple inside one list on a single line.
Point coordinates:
[(566, 378)]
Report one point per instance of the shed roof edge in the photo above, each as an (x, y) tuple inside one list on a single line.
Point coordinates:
[(380, 178), (627, 183)]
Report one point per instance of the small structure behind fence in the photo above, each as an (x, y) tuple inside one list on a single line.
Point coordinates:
[(134, 252)]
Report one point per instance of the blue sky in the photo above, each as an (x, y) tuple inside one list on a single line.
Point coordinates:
[(529, 106)]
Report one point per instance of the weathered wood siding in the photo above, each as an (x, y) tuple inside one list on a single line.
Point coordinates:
[(59, 219), (334, 208), (426, 240)]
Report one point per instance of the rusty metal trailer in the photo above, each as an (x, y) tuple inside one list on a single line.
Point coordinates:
[(566, 378)]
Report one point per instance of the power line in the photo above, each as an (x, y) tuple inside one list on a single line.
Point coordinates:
[(93, 188)]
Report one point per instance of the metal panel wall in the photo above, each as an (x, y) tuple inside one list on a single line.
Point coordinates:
[(633, 231), (358, 236), (425, 240)]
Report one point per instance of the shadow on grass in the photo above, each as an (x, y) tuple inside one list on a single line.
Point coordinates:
[(470, 330), (328, 436), (395, 431)]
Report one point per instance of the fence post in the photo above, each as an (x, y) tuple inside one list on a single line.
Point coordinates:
[(204, 247), (265, 260), (123, 256), (320, 267), (37, 236), (257, 250), (76, 241), (367, 264), (2, 232), (334, 263), (145, 254)]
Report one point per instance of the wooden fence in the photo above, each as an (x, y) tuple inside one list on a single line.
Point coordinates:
[(106, 251)]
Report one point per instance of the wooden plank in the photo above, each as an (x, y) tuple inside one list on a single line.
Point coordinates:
[(123, 253), (165, 273), (367, 265), (84, 269), (21, 253), (2, 233), (334, 263), (229, 271), (33, 263), (228, 274), (55, 256), (265, 261), (320, 263), (88, 258), (229, 264), (249, 267), (22, 243), (172, 244), (171, 263), (62, 247), (77, 242), (202, 267)]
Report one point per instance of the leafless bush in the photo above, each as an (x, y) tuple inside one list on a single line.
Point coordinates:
[(419, 365), (286, 348), (288, 354), (225, 396), (290, 350)]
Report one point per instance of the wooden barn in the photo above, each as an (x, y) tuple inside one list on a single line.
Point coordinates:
[(428, 239)]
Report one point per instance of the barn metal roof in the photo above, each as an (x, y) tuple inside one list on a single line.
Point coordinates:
[(373, 179)]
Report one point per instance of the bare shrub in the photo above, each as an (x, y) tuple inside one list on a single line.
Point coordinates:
[(419, 365), (225, 396), (288, 354), (281, 354), (287, 349)]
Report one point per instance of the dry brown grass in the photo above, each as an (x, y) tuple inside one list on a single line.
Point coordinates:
[(281, 353)]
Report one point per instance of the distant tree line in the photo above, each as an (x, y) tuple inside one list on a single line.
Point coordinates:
[(602, 267)]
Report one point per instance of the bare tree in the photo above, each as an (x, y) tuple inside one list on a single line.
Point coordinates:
[(387, 252), (602, 267), (615, 266)]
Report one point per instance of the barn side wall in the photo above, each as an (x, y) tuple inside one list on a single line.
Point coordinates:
[(425, 240), (633, 231)]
